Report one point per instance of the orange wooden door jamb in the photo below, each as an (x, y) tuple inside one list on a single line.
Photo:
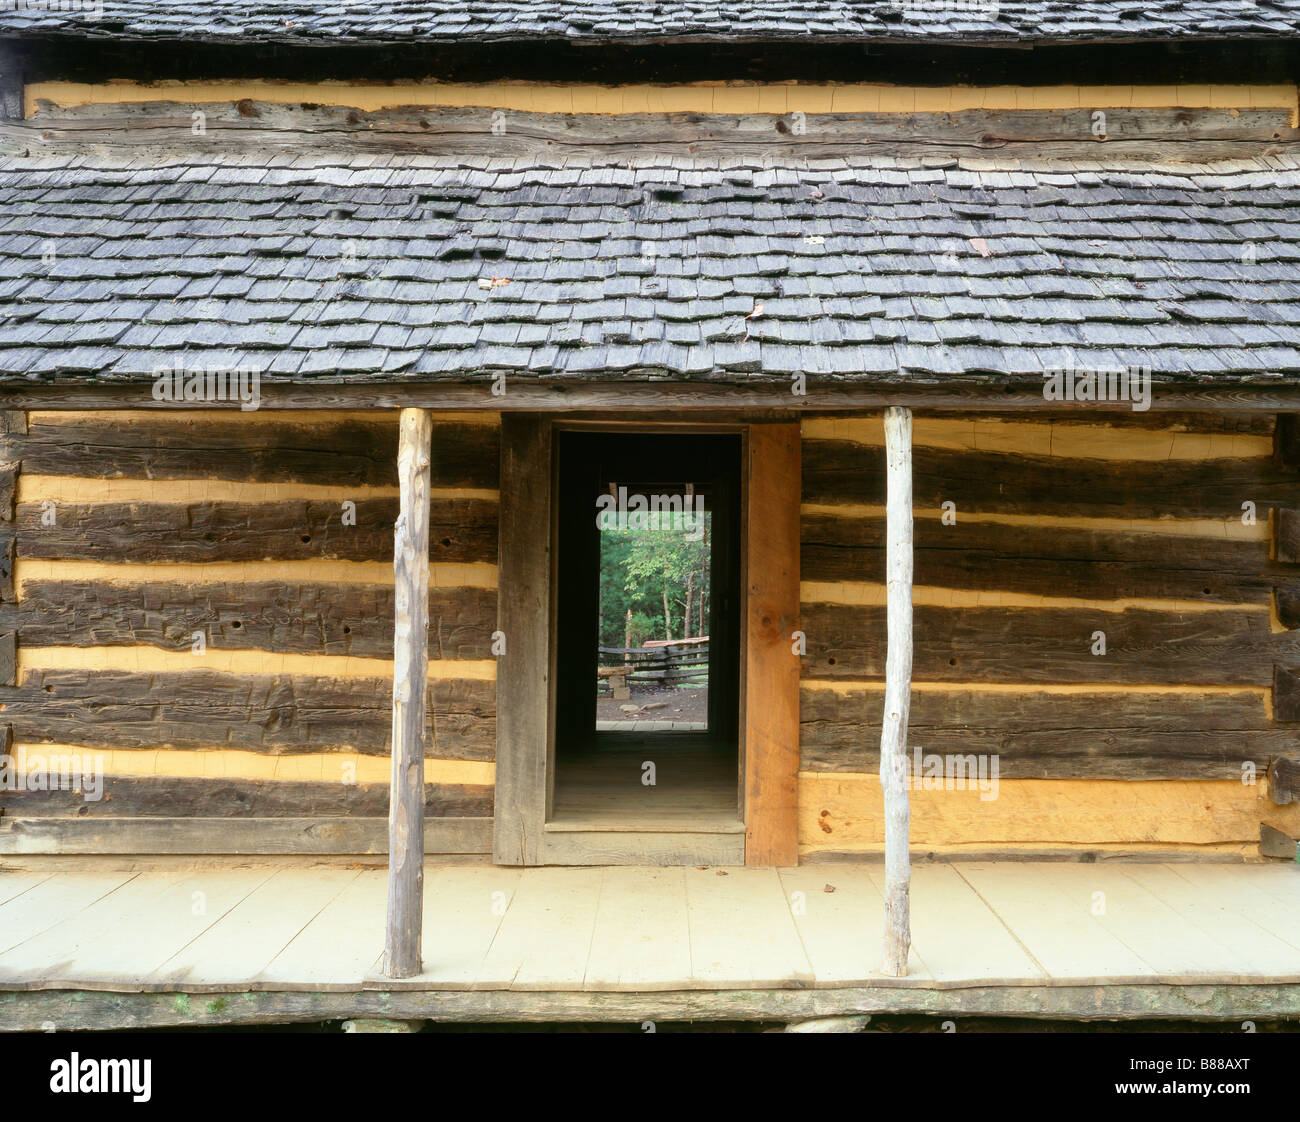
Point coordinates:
[(771, 683)]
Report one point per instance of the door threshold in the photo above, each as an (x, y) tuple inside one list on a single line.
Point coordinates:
[(623, 824), (640, 847)]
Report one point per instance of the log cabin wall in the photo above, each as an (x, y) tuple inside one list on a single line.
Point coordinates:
[(1132, 528), (274, 735), (195, 607)]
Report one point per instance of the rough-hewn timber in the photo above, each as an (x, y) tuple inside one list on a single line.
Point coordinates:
[(355, 452), (160, 796), (235, 836), (1286, 540), (1288, 606), (81, 1010), (1047, 560), (1286, 691), (345, 619), (252, 123), (461, 530), (1038, 735), (984, 393), (844, 472), (1284, 779), (206, 709), (1143, 646)]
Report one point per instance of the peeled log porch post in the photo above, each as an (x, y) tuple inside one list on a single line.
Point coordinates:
[(898, 689), (402, 957)]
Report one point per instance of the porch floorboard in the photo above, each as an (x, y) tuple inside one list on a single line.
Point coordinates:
[(256, 928)]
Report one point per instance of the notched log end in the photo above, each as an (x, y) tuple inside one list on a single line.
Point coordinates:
[(1274, 843), (1286, 440), (1286, 694), (1286, 537), (1288, 607), (9, 659), (1284, 780)]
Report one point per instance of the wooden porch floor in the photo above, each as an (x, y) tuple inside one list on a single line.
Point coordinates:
[(651, 929)]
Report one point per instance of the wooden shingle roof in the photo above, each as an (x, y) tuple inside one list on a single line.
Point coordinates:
[(400, 267), (658, 20)]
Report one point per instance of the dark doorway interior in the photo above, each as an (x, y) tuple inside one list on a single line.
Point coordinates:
[(655, 771)]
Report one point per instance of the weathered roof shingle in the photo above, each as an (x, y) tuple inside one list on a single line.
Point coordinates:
[(646, 20)]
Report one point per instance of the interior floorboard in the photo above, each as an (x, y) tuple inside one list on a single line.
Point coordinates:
[(694, 784)]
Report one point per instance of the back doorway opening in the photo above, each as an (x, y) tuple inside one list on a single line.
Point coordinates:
[(647, 657)]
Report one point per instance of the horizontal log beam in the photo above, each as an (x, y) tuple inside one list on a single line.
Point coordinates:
[(83, 1010), (158, 128), (254, 121), (991, 393), (838, 471), (462, 530), (340, 619), (841, 812), (1053, 645), (1093, 735), (153, 796), (204, 709), (352, 453), (1061, 561), (210, 836)]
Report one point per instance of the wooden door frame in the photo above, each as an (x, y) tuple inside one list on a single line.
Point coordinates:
[(769, 666)]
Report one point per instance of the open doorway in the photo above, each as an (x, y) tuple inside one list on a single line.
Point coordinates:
[(647, 654)]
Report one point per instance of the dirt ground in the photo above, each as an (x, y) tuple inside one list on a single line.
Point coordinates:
[(676, 705)]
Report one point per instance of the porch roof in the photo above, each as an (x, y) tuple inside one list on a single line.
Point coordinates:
[(392, 268), (666, 20), (1015, 937)]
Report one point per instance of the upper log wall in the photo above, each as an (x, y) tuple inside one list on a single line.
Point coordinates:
[(1198, 121), (1059, 530), (270, 536)]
